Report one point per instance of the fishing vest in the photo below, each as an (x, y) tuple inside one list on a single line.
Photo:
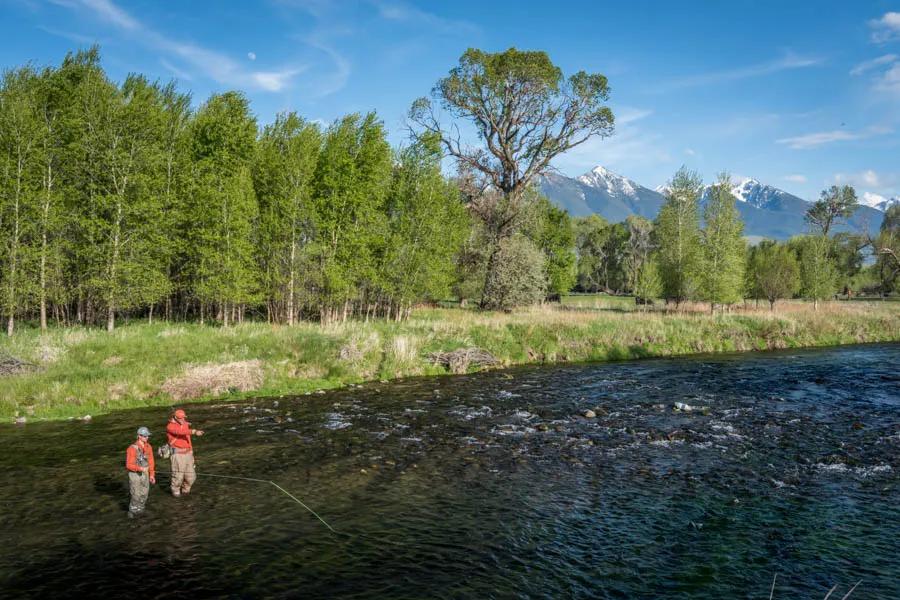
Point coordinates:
[(140, 456)]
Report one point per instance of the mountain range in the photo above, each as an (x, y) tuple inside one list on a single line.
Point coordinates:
[(767, 211)]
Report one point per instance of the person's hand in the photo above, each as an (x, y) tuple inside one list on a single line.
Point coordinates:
[(152, 479), (198, 432)]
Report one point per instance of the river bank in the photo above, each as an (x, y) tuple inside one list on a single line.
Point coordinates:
[(74, 372)]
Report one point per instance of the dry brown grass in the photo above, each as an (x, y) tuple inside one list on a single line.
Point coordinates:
[(214, 379)]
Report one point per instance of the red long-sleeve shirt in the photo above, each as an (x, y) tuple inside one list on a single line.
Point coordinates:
[(179, 435), (131, 458)]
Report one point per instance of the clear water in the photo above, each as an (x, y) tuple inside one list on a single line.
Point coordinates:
[(489, 486)]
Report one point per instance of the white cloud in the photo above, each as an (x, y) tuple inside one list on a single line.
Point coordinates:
[(883, 183), (889, 82), (795, 178), (787, 62), (872, 64), (402, 12), (175, 70), (251, 55), (887, 28), (215, 65), (628, 114), (814, 140), (690, 152)]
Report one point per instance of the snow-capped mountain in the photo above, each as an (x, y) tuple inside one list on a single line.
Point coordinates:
[(878, 202), (603, 192), (767, 211), (759, 195)]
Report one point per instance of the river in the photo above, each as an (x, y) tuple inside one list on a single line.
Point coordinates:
[(489, 485)]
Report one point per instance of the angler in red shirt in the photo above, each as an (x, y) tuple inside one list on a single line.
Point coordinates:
[(141, 471), (179, 433)]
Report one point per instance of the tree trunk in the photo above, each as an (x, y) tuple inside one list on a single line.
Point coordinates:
[(150, 317), (489, 275)]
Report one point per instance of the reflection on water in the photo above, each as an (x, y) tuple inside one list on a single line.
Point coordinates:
[(490, 485)]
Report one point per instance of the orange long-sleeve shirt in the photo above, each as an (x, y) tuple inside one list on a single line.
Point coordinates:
[(131, 458), (179, 435)]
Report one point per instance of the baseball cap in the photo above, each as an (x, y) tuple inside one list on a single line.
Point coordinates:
[(143, 431)]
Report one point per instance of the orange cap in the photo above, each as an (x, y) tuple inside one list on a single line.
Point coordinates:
[(180, 414)]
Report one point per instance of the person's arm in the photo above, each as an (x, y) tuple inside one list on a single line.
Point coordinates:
[(131, 460), (179, 431), (152, 462)]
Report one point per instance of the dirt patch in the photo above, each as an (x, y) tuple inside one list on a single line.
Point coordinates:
[(112, 361), (215, 379)]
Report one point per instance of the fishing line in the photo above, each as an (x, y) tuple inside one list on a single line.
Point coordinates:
[(297, 500), (290, 495)]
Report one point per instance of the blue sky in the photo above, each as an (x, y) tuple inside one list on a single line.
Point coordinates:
[(799, 95)]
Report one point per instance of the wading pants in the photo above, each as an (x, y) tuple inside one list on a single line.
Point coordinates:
[(139, 486), (183, 474)]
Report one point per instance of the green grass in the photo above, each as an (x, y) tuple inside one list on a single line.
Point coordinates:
[(88, 371)]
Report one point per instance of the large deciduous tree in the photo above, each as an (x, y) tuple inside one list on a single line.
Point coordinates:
[(817, 271), (774, 272), (286, 162), (223, 204), (677, 231), (723, 248), (524, 113), (834, 205)]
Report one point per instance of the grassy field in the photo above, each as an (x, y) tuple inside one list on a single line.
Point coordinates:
[(80, 371)]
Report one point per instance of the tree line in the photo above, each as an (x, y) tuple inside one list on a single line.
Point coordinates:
[(122, 200), (698, 253)]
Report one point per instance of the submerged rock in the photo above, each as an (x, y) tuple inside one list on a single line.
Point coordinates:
[(589, 414)]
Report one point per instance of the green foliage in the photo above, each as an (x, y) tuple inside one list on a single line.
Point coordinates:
[(525, 113), (677, 230), (835, 204), (887, 250), (554, 234), (592, 235), (285, 163), (519, 278), (223, 203), (648, 283), (774, 272), (427, 225), (818, 274), (723, 250), (350, 185)]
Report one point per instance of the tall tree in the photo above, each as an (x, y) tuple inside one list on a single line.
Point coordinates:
[(677, 230), (20, 134), (638, 248), (834, 205), (427, 225), (525, 113), (223, 142), (554, 234), (817, 272), (591, 246), (774, 272), (285, 164), (350, 185), (722, 246), (886, 248)]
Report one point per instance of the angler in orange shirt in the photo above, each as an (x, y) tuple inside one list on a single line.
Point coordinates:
[(179, 433), (141, 471)]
